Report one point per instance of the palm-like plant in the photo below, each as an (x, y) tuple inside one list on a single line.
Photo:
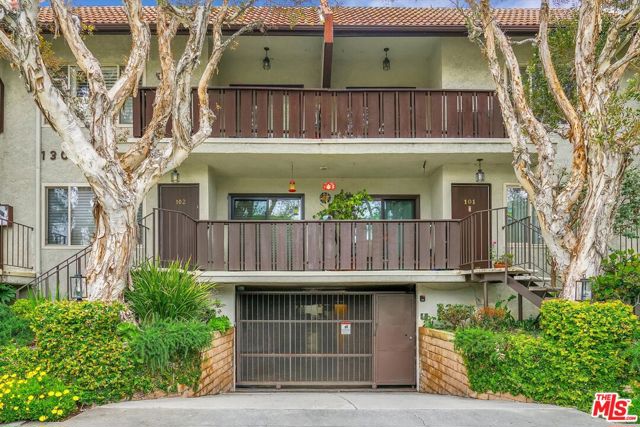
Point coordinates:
[(168, 293)]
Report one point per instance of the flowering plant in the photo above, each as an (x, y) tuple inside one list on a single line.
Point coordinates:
[(35, 396)]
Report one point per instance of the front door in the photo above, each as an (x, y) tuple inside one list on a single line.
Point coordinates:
[(395, 346), (179, 204), (467, 199)]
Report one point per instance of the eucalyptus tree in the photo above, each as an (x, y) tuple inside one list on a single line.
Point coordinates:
[(120, 180), (587, 94)]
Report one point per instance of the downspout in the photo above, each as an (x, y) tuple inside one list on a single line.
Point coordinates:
[(37, 226)]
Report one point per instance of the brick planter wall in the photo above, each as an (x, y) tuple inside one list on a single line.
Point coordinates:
[(442, 369), (217, 366)]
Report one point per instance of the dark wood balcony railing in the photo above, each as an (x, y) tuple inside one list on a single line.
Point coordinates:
[(307, 245), (249, 112)]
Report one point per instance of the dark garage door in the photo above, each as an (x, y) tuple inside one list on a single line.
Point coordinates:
[(309, 339)]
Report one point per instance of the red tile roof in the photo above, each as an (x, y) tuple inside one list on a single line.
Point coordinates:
[(345, 17)]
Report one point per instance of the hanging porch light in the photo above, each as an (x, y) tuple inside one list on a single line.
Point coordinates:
[(292, 182), (266, 62), (479, 173), (175, 176), (386, 62)]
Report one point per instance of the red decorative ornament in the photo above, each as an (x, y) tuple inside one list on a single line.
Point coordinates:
[(329, 186), (292, 186)]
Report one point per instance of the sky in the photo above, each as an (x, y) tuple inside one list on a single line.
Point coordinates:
[(397, 3)]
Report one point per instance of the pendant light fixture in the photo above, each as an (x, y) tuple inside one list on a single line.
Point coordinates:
[(386, 62), (292, 182), (266, 62), (479, 172)]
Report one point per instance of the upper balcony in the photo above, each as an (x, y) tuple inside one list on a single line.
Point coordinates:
[(296, 113)]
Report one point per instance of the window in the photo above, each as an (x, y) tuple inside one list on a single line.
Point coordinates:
[(391, 208), (69, 215), (271, 207), (79, 89), (519, 208)]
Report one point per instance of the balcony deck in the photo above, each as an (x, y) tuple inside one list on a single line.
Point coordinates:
[(307, 246), (269, 112)]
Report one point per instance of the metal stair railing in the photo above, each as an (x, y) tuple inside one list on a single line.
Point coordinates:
[(531, 260), (56, 283)]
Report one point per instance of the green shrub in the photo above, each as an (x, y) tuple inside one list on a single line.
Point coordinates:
[(13, 329), (620, 278), (455, 315), (78, 343), (17, 360), (7, 293), (35, 396), (163, 342), (584, 348), (635, 398), (170, 350), (220, 323), (24, 307), (170, 293)]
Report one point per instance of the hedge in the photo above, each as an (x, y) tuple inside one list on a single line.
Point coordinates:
[(584, 348)]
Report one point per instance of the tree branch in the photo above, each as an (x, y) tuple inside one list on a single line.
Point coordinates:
[(140, 42), (586, 41), (167, 25), (571, 192)]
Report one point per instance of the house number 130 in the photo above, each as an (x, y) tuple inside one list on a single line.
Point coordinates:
[(53, 155)]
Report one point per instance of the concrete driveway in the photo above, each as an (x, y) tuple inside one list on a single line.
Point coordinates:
[(298, 409)]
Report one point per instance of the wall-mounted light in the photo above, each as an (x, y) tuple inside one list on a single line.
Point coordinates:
[(175, 176), (386, 62), (479, 172), (266, 62)]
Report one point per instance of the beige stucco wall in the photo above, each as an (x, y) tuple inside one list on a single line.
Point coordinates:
[(464, 67), (294, 60), (465, 293), (357, 61)]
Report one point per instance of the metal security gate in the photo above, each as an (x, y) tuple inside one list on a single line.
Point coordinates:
[(306, 339)]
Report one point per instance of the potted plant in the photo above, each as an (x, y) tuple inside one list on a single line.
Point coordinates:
[(504, 260)]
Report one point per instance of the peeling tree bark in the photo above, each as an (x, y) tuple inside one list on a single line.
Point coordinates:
[(121, 180), (576, 231)]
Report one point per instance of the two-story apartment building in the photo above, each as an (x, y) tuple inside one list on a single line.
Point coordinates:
[(395, 101)]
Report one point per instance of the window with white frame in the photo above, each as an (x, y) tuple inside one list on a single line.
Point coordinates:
[(519, 208), (69, 215), (79, 89)]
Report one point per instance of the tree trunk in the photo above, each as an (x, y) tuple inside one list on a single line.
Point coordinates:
[(111, 252), (596, 219)]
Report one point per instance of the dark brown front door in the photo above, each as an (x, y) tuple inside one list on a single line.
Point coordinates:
[(395, 339), (179, 204), (467, 199)]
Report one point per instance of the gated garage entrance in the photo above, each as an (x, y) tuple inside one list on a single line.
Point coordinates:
[(328, 338)]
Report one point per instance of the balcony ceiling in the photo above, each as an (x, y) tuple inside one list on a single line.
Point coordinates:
[(338, 166)]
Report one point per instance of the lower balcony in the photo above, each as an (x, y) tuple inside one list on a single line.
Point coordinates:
[(363, 245)]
